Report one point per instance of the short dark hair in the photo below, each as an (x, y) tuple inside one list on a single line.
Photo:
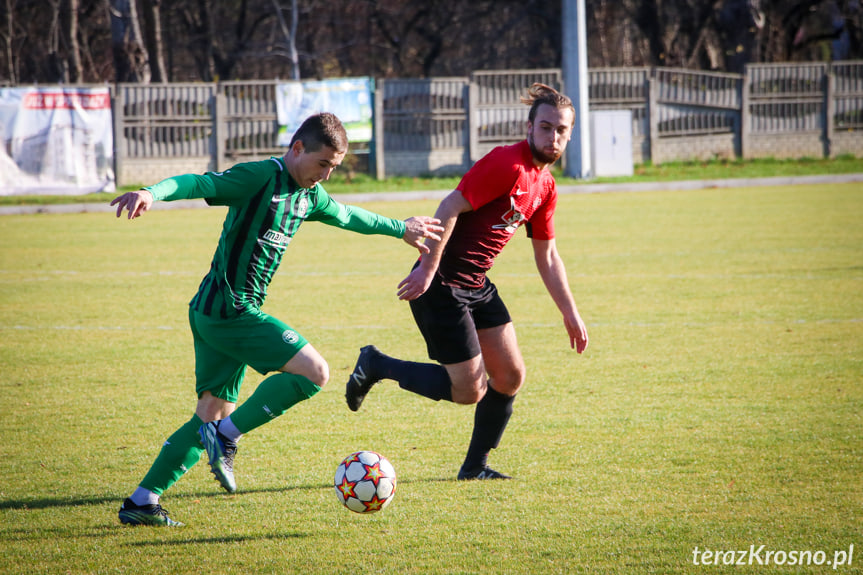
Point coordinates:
[(324, 129), (539, 94)]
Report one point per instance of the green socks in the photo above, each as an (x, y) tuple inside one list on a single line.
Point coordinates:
[(179, 453), (274, 396), (183, 449)]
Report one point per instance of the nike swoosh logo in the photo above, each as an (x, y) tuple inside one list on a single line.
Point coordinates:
[(277, 199), (520, 192)]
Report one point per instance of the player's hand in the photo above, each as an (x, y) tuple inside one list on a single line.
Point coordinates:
[(577, 333), (136, 202), (416, 284), (419, 228)]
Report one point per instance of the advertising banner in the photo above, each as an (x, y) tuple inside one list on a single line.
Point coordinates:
[(348, 98), (56, 141)]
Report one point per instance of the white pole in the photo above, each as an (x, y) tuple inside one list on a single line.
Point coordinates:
[(574, 68)]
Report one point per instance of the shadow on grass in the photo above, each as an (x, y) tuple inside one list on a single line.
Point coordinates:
[(227, 539), (29, 534), (60, 502)]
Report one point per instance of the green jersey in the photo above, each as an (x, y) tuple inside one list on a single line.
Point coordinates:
[(266, 207)]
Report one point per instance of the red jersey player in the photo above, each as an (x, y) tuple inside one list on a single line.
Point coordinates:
[(466, 325)]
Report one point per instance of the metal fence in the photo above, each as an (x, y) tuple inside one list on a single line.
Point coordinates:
[(692, 103), (161, 120), (249, 111), (233, 121), (847, 95), (787, 97), (497, 115), (424, 114), (622, 89)]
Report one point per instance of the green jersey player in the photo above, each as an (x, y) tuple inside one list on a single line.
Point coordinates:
[(267, 201)]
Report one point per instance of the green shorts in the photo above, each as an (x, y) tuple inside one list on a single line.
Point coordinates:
[(224, 347)]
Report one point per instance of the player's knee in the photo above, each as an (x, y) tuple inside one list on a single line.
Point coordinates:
[(468, 393), (510, 382), (320, 373), (310, 364), (212, 408), (317, 370), (516, 380)]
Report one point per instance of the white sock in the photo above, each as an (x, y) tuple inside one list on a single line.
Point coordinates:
[(229, 430), (143, 496)]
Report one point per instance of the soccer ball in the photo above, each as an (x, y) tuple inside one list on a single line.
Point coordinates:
[(365, 482)]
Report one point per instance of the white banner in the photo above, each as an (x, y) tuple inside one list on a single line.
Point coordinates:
[(348, 98), (56, 141)]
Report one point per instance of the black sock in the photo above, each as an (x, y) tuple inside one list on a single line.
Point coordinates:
[(489, 422), (427, 379)]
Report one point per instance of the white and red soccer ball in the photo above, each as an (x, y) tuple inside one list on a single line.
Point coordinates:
[(365, 482)]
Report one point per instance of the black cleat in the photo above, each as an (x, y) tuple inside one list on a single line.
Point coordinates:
[(484, 472), (362, 379), (132, 514)]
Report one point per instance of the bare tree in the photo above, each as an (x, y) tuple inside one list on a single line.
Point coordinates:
[(153, 37), (647, 17), (613, 39), (290, 33), (8, 39), (224, 35), (77, 71), (143, 40), (738, 25), (58, 66), (130, 57)]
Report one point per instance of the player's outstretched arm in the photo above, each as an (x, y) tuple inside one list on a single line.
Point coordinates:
[(420, 278), (419, 228), (553, 274), (136, 203)]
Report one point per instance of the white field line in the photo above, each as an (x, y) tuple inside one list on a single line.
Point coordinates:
[(45, 275), (355, 327)]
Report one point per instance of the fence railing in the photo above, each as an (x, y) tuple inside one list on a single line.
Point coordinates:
[(234, 121), (847, 95), (497, 115), (164, 120), (424, 114), (622, 89), (788, 98), (693, 103), (249, 126)]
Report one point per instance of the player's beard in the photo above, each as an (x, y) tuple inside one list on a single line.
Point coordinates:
[(541, 156)]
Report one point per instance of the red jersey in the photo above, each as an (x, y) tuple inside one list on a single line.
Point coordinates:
[(505, 190)]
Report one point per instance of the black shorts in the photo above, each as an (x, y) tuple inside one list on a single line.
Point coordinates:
[(448, 318)]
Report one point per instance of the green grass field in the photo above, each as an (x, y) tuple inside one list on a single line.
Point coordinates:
[(718, 407), (344, 181)]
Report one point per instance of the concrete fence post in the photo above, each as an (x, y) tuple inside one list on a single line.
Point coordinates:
[(745, 114), (473, 121), (377, 149), (220, 130), (653, 123), (117, 111), (829, 111)]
